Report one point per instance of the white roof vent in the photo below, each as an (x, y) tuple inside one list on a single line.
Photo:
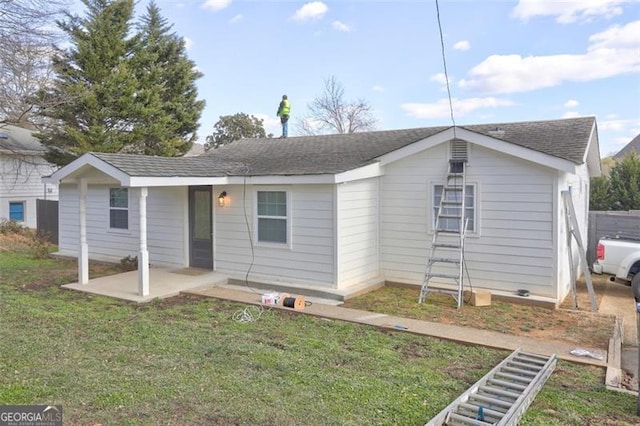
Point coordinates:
[(459, 150)]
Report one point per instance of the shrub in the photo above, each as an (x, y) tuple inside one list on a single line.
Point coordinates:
[(129, 263), (22, 238), (12, 227)]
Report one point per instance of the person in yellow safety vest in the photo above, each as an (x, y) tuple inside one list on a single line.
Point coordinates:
[(283, 113)]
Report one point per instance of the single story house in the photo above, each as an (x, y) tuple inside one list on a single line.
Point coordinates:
[(633, 146), (22, 168), (340, 211)]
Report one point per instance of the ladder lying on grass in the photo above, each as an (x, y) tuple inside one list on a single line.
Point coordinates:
[(503, 395)]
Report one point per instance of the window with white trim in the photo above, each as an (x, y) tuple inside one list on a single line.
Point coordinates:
[(272, 217), (119, 208), (469, 209), (16, 211)]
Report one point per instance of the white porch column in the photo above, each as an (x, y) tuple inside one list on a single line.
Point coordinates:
[(143, 256), (83, 250)]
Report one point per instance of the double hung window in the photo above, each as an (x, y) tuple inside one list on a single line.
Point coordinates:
[(272, 217)]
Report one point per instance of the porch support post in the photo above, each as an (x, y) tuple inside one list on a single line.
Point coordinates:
[(83, 252), (143, 256)]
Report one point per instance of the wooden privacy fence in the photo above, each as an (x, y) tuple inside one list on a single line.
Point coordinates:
[(611, 224), (47, 219)]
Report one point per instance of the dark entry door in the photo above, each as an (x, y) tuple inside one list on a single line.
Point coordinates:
[(200, 227)]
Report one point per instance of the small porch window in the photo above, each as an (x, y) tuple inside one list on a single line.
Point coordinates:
[(119, 208)]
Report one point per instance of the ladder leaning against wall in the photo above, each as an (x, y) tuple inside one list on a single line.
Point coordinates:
[(446, 256)]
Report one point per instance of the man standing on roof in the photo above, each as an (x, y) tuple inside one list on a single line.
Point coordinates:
[(283, 113)]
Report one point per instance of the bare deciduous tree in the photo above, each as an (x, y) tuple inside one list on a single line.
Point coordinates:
[(27, 34), (330, 112)]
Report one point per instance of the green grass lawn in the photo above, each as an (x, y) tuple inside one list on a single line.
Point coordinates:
[(186, 361)]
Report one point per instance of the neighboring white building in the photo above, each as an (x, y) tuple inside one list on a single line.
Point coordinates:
[(21, 170), (340, 212)]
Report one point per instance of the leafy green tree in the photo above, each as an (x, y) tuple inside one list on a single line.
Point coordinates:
[(167, 109), (599, 196), (233, 127), (624, 183)]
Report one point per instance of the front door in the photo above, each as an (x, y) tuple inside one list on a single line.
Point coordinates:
[(200, 227)]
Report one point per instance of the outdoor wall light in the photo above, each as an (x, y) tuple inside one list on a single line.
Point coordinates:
[(221, 198)]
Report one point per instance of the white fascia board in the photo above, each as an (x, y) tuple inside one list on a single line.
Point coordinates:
[(365, 172), (371, 170), (282, 180), (89, 160), (592, 154), (147, 181), (416, 147)]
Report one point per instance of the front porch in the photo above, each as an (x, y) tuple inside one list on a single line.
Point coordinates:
[(163, 283)]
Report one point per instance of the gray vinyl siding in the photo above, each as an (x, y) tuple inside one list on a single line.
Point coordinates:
[(21, 181), (166, 218), (357, 232), (513, 245), (308, 258)]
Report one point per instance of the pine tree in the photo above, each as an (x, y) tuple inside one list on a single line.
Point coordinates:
[(167, 111), (93, 95), (117, 92)]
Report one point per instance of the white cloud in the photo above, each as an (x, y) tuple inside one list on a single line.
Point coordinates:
[(617, 125), (439, 78), (571, 103), (215, 5), (462, 45), (341, 26), (461, 107), (271, 123), (188, 43), (612, 52), (378, 88), (236, 19), (571, 114), (313, 10), (569, 11)]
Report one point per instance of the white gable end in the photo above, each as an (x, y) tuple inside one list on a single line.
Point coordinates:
[(481, 140)]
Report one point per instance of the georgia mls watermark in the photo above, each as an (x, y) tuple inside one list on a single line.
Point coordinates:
[(30, 415)]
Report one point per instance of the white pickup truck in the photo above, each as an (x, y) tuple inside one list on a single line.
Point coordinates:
[(619, 257)]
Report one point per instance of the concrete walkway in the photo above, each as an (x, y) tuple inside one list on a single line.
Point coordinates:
[(443, 331), (618, 300)]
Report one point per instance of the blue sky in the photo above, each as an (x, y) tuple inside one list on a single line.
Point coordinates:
[(506, 60)]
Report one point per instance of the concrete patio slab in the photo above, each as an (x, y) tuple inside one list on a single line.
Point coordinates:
[(163, 283)]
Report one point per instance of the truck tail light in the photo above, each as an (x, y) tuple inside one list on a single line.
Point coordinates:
[(600, 252)]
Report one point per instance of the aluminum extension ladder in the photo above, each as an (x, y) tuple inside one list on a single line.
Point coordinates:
[(503, 395), (573, 230), (447, 245)]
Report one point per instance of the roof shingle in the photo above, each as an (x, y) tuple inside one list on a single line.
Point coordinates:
[(567, 139)]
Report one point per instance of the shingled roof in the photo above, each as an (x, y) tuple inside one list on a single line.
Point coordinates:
[(567, 139), (19, 140), (634, 145)]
